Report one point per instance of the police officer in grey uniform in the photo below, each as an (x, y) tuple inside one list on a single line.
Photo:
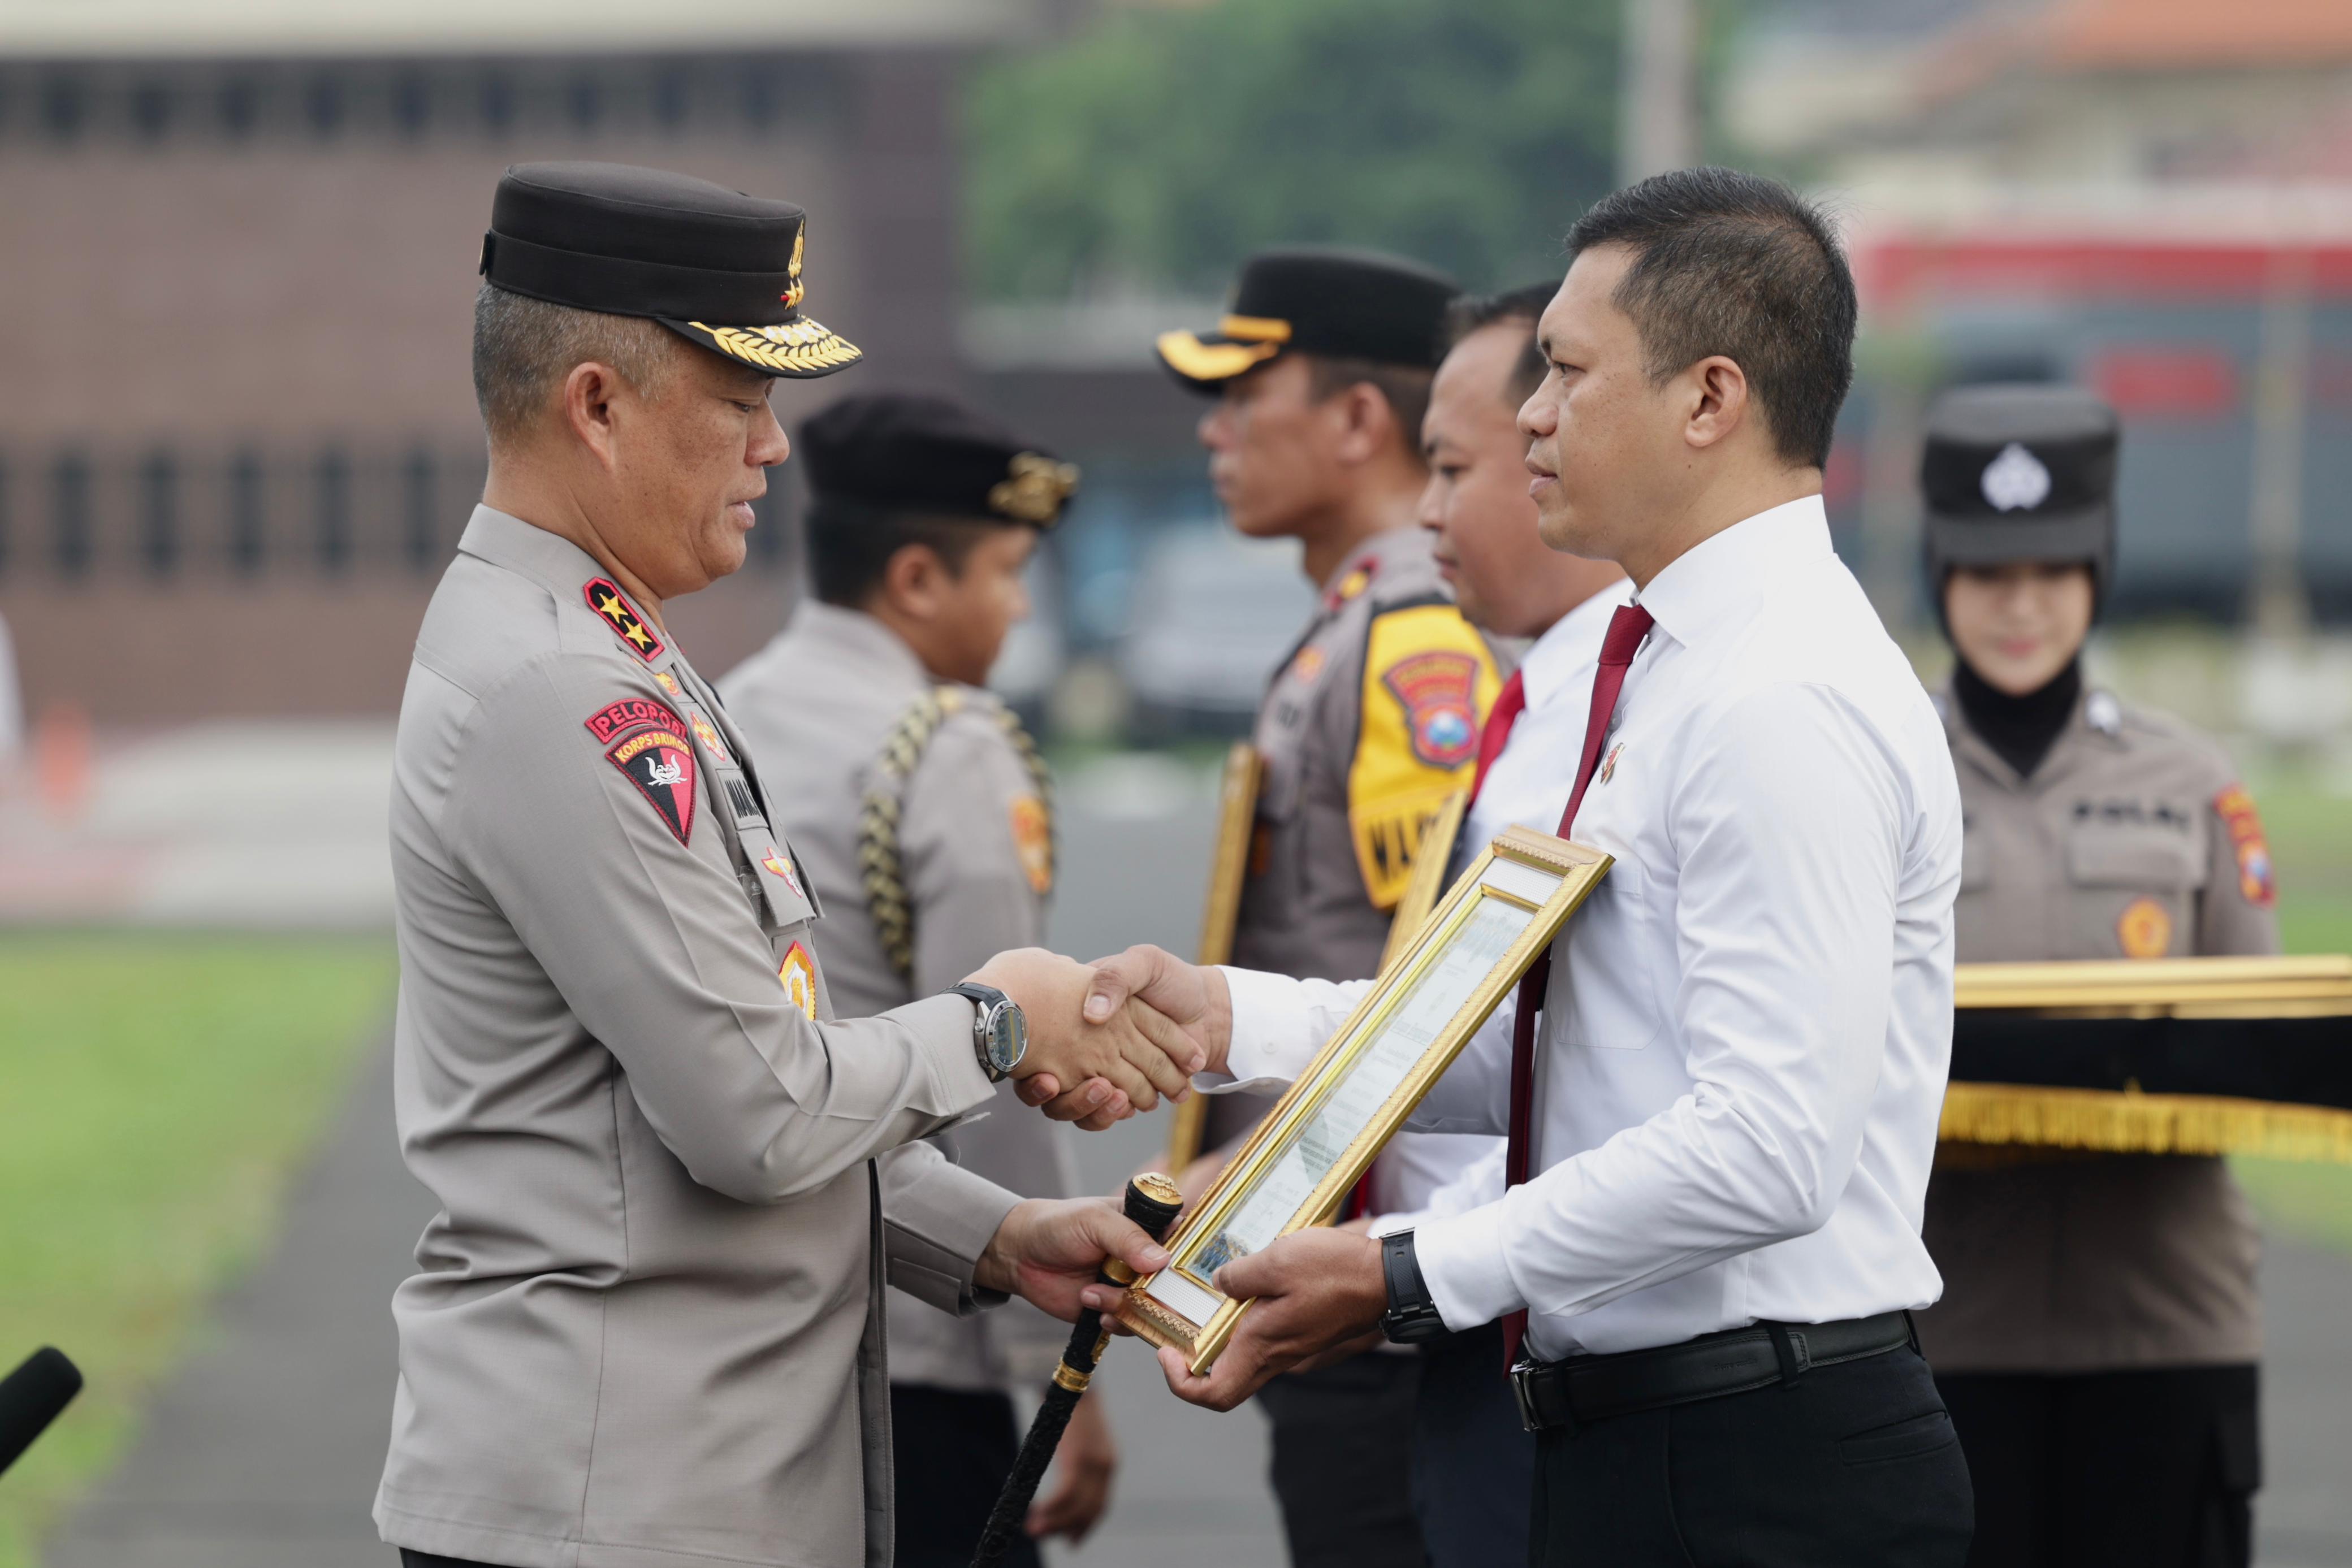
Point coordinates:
[(923, 816), (1321, 372), (646, 1328), (2097, 1337)]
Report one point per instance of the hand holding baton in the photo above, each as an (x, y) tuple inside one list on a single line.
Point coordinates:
[(1151, 1202)]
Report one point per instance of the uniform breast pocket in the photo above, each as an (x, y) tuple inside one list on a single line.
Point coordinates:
[(1615, 990), (2158, 859), (2132, 890)]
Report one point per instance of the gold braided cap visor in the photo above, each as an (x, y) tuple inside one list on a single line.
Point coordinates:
[(800, 349), (1239, 343)]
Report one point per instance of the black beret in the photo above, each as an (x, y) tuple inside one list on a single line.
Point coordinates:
[(2020, 473), (716, 267), (1319, 299), (914, 452)]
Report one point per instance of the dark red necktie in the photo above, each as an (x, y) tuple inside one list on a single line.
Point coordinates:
[(1626, 629), (1509, 705)]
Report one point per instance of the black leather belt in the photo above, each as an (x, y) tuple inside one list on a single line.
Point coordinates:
[(1589, 1388)]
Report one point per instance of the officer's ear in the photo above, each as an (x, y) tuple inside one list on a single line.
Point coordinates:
[(585, 405), (916, 581)]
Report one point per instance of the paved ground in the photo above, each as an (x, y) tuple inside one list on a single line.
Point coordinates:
[(264, 1451)]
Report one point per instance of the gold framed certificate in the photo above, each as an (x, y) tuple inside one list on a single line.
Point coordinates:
[(1228, 869), (1322, 1136), (1430, 860)]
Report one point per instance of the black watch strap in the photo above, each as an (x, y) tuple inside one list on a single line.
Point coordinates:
[(1411, 1317)]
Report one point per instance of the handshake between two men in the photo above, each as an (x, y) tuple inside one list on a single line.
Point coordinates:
[(1107, 1039)]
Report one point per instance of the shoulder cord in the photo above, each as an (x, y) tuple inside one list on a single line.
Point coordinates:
[(880, 866)]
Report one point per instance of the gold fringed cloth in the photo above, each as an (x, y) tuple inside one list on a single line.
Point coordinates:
[(2192, 1056)]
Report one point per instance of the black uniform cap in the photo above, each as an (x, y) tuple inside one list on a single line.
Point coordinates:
[(717, 267), (1319, 299), (910, 452), (2020, 473)]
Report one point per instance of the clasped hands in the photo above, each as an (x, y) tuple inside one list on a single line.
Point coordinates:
[(1317, 1294)]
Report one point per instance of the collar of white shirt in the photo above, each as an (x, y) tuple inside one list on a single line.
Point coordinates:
[(1568, 646), (1711, 588)]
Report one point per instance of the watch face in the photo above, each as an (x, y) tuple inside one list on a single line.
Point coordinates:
[(1008, 1036)]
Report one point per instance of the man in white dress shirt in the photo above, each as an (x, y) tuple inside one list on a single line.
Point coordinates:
[(1744, 1042), (1472, 1462)]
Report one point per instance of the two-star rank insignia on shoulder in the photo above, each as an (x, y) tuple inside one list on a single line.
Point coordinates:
[(605, 598), (646, 741)]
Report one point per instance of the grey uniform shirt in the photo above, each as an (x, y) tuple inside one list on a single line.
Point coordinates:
[(2132, 839), (864, 752), (646, 1328), (1366, 729)]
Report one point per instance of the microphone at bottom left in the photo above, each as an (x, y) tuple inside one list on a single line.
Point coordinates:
[(30, 1398)]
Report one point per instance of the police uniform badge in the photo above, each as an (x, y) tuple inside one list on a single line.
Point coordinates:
[(1437, 690), (775, 863), (797, 973), (1033, 841), (2256, 880), (2145, 929), (649, 744)]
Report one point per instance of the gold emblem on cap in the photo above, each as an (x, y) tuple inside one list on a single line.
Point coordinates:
[(1036, 489), (793, 288)]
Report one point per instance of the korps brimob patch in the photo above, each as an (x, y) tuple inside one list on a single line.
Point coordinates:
[(660, 763)]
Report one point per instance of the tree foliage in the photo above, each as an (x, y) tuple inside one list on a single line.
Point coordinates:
[(1158, 147)]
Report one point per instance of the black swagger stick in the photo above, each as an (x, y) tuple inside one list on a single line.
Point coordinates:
[(1151, 1202)]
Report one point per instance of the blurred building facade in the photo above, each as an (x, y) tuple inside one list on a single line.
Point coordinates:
[(237, 428), (2151, 197)]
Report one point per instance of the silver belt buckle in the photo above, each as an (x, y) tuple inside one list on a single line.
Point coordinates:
[(1522, 1380)]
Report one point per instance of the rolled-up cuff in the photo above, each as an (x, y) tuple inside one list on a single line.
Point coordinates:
[(1464, 1264)]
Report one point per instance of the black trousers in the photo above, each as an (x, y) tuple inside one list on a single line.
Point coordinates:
[(1473, 1463), (1855, 1464), (1342, 1462), (2154, 1469), (951, 1451)]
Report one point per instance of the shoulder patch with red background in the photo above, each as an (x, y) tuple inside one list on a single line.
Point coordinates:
[(1438, 690), (605, 598), (2257, 882), (644, 740)]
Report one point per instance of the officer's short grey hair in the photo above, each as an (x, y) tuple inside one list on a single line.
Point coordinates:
[(524, 347)]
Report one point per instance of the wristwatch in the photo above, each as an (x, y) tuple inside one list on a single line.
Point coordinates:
[(1000, 1034), (1411, 1317)]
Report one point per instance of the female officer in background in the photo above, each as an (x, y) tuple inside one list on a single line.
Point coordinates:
[(2098, 1333)]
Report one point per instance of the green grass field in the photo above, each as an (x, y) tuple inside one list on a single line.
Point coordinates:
[(2311, 842), (157, 1093)]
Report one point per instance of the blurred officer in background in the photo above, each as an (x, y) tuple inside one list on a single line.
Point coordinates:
[(1473, 1462), (1321, 373), (922, 815), (647, 1326), (2099, 1328)]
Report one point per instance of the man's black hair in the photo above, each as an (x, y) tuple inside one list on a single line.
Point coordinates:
[(1404, 388), (850, 545), (1732, 264), (1525, 304)]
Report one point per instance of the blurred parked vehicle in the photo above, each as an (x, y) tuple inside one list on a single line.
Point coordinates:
[(1212, 615)]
